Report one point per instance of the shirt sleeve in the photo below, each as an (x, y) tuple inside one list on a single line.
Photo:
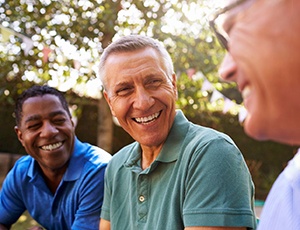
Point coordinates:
[(105, 213), (219, 189), (281, 209), (91, 198)]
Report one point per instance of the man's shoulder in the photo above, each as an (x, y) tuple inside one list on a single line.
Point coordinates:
[(204, 141), (21, 167), (99, 154), (206, 133), (91, 153), (23, 162), (124, 154)]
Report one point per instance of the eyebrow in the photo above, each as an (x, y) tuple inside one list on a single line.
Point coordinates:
[(151, 75), (120, 84), (52, 114)]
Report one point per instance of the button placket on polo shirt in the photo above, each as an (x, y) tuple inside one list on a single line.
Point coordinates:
[(143, 196)]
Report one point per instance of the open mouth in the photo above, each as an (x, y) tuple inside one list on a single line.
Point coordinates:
[(52, 146), (246, 92), (148, 119)]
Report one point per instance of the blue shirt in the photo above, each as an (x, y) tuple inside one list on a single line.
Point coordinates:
[(282, 207), (77, 201), (199, 179)]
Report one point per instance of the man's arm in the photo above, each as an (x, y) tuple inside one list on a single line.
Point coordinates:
[(104, 225), (3, 227), (228, 186), (88, 213)]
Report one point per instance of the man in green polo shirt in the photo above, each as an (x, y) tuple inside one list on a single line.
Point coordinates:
[(177, 175)]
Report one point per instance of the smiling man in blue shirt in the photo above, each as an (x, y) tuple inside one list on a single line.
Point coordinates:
[(60, 182)]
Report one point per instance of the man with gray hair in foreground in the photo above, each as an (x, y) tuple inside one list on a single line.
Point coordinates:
[(262, 40)]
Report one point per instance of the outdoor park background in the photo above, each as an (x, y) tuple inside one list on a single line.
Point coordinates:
[(59, 43)]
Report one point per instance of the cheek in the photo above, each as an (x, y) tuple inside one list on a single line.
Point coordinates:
[(28, 143), (119, 107), (173, 95), (26, 138)]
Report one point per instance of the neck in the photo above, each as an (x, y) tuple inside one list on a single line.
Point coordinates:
[(149, 154), (53, 178), (53, 183)]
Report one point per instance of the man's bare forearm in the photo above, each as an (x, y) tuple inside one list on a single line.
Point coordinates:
[(3, 227)]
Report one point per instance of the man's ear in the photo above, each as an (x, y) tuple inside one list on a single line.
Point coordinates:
[(73, 122), (19, 134), (106, 96), (174, 83)]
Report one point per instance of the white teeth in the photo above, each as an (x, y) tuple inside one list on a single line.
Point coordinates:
[(246, 92), (147, 119), (51, 147)]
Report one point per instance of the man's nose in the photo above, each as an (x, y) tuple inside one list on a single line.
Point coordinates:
[(228, 68), (48, 130), (143, 99)]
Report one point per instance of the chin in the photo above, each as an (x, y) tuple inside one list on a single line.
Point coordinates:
[(267, 130), (255, 130)]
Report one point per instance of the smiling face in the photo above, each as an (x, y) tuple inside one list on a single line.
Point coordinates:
[(264, 61), (46, 132), (141, 95)]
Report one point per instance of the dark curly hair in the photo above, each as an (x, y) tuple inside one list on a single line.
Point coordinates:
[(35, 91)]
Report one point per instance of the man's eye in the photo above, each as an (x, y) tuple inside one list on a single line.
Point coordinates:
[(154, 82), (123, 91), (33, 126), (59, 121)]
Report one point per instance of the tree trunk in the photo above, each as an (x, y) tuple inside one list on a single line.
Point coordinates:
[(105, 126), (105, 122)]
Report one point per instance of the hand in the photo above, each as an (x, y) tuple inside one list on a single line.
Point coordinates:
[(2, 227), (35, 228)]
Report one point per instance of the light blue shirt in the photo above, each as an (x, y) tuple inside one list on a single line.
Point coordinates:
[(77, 201), (282, 207)]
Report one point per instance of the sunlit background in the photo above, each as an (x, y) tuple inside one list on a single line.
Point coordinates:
[(51, 44), (59, 42)]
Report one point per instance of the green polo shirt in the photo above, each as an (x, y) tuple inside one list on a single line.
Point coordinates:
[(199, 179)]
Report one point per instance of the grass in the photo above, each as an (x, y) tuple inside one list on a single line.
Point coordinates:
[(25, 221)]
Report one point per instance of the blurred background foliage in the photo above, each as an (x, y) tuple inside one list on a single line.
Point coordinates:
[(60, 42)]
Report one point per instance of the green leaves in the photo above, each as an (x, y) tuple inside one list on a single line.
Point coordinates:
[(67, 38)]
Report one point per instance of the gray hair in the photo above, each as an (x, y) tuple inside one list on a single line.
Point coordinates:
[(132, 43)]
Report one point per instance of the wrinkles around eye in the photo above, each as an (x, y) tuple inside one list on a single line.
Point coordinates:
[(123, 91)]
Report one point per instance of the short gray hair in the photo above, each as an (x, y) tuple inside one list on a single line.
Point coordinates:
[(132, 43)]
